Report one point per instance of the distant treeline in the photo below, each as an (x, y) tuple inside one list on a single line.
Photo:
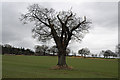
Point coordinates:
[(8, 49), (39, 50), (44, 50)]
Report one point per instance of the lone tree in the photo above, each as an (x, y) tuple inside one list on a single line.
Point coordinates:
[(62, 26), (109, 53), (84, 51)]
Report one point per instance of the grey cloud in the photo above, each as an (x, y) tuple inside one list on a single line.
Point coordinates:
[(119, 22), (12, 28)]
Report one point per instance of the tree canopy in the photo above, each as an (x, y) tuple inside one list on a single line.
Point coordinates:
[(64, 23)]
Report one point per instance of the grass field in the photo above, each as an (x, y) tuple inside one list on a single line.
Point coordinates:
[(39, 67)]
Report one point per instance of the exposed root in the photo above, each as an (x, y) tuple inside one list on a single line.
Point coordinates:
[(64, 67)]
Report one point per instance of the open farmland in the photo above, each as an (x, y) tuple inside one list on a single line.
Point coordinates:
[(39, 67)]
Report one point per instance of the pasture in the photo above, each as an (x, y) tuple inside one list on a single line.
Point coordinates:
[(39, 67)]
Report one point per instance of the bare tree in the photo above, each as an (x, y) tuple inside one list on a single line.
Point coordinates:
[(62, 26)]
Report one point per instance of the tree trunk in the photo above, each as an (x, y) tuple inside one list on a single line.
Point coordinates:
[(62, 59)]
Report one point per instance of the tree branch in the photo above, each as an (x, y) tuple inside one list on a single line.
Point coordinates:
[(59, 19), (83, 22), (35, 16), (68, 18)]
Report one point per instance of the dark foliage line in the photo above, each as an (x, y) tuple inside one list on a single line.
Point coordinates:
[(8, 49)]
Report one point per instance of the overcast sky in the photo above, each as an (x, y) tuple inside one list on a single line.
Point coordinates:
[(103, 33)]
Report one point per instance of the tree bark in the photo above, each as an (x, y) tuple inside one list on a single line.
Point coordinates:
[(62, 58)]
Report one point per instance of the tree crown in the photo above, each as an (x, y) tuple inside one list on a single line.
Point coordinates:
[(64, 25)]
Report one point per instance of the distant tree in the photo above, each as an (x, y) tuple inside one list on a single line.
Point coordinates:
[(27, 52), (118, 50), (84, 51), (54, 49), (101, 53), (62, 26), (7, 45), (114, 54), (106, 54), (41, 50), (95, 55), (80, 52), (67, 51), (74, 54), (92, 55), (38, 51), (109, 53), (23, 51), (8, 49)]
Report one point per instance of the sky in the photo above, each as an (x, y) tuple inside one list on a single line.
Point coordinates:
[(102, 35)]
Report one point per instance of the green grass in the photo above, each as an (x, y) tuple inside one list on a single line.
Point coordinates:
[(39, 67)]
